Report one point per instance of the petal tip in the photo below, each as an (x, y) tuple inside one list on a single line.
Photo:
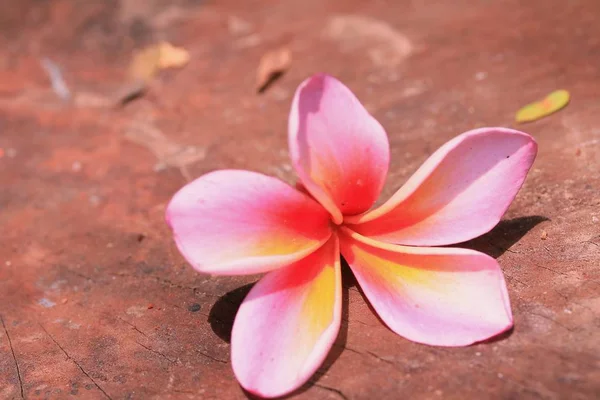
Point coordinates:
[(507, 131), (341, 153)]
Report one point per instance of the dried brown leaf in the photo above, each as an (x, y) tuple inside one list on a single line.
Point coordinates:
[(271, 66), (172, 57), (148, 61), (144, 64)]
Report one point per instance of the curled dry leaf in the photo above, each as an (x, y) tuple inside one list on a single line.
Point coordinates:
[(272, 65), (147, 62), (144, 64), (172, 57)]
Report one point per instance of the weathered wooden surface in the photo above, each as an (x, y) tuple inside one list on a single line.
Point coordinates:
[(94, 297)]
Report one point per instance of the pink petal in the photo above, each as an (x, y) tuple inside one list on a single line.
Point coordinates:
[(459, 193), (287, 324), (339, 150), (436, 296), (242, 222)]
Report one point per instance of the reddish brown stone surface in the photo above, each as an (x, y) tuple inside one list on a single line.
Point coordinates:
[(95, 298)]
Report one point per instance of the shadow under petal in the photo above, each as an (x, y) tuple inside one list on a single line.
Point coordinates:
[(222, 314), (500, 239)]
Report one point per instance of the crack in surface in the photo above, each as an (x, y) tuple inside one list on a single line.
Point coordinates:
[(381, 359), (347, 321), (76, 363), (330, 389), (551, 270), (211, 357), (590, 242), (157, 352), (512, 278), (370, 353), (133, 326), (12, 350), (350, 349)]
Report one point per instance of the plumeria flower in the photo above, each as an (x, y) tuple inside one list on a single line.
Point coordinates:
[(233, 222)]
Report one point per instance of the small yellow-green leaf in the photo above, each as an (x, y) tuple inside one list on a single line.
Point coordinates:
[(550, 104)]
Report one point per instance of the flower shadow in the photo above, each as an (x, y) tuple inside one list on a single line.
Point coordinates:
[(500, 239), (223, 312)]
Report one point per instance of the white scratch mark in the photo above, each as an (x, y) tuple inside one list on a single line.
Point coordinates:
[(46, 303), (56, 79)]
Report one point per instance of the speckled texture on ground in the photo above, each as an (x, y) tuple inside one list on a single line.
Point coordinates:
[(95, 300)]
